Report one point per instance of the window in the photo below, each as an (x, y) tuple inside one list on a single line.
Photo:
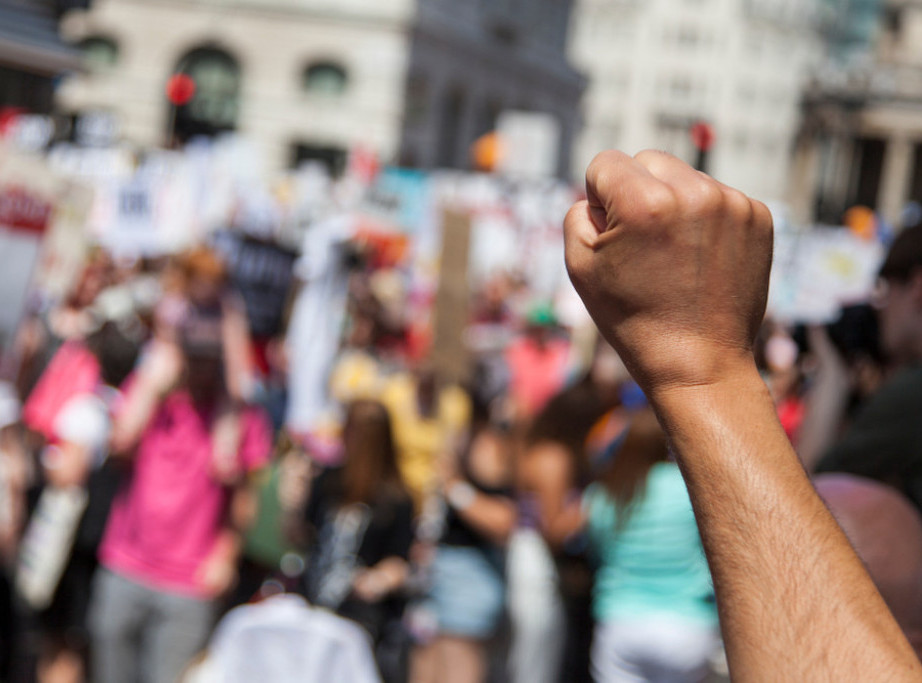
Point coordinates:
[(216, 103), (417, 107), (99, 53), (326, 79)]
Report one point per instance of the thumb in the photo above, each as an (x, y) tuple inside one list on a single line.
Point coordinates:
[(580, 238)]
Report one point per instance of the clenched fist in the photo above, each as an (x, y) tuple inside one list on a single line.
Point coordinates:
[(672, 265)]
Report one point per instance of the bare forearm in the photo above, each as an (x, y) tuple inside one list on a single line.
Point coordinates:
[(825, 409), (777, 556), (133, 419), (492, 516)]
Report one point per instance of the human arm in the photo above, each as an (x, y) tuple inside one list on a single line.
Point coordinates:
[(491, 515), (159, 373), (375, 583), (388, 556), (826, 401), (673, 267), (550, 477), (66, 465), (218, 573)]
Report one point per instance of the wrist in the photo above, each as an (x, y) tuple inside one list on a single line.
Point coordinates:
[(460, 494), (228, 544), (735, 371)]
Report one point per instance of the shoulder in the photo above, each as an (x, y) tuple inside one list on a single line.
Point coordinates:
[(548, 458)]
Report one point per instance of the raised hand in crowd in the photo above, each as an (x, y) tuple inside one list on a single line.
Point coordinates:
[(674, 266)]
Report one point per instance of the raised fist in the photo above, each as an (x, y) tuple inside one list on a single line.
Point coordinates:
[(672, 265)]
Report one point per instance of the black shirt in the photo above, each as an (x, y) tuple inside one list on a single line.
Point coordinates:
[(884, 442)]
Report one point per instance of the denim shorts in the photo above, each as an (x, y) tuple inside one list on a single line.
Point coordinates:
[(468, 591)]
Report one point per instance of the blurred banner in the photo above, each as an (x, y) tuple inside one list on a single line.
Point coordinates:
[(818, 271), (41, 219)]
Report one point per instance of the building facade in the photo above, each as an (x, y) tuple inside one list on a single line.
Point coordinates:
[(32, 56), (861, 142), (312, 79), (656, 67)]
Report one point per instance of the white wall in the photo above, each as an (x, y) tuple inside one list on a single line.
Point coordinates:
[(272, 41), (657, 65)]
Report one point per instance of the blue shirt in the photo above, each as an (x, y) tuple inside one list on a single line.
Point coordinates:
[(653, 564)]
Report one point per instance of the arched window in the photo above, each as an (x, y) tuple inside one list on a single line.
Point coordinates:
[(327, 79), (215, 105), (99, 53)]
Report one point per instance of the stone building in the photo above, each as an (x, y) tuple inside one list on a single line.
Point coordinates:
[(414, 81), (32, 55), (656, 67), (861, 141)]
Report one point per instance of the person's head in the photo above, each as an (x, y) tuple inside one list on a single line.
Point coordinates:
[(204, 275), (567, 419), (886, 532), (900, 302), (115, 350), (93, 278), (201, 340), (644, 445), (370, 457)]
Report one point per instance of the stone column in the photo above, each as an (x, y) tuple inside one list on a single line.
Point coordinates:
[(804, 180), (895, 178)]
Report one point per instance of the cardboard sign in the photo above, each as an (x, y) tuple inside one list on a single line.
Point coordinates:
[(449, 354)]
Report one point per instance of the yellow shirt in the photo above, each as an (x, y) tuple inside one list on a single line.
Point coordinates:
[(421, 440)]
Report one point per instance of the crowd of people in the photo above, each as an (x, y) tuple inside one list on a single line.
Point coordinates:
[(527, 521)]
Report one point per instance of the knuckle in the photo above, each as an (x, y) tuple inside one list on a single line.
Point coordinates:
[(575, 213), (702, 197), (655, 202), (739, 206), (600, 168), (657, 156), (761, 216)]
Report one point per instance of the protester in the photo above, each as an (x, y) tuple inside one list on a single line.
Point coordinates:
[(58, 555), (673, 266), (170, 548), (467, 592), (537, 363), (429, 417), (549, 578), (653, 599), (881, 442), (360, 516)]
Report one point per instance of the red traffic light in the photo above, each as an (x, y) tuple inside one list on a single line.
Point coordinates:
[(180, 88), (702, 135)]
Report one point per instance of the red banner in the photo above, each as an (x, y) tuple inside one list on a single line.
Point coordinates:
[(21, 210)]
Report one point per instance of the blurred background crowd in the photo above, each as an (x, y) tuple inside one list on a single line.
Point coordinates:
[(293, 385)]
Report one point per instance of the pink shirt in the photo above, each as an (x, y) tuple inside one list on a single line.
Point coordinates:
[(73, 370), (167, 517), (536, 372)]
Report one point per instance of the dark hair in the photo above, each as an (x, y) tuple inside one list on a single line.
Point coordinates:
[(904, 257), (370, 459), (626, 478), (115, 351), (567, 419)]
